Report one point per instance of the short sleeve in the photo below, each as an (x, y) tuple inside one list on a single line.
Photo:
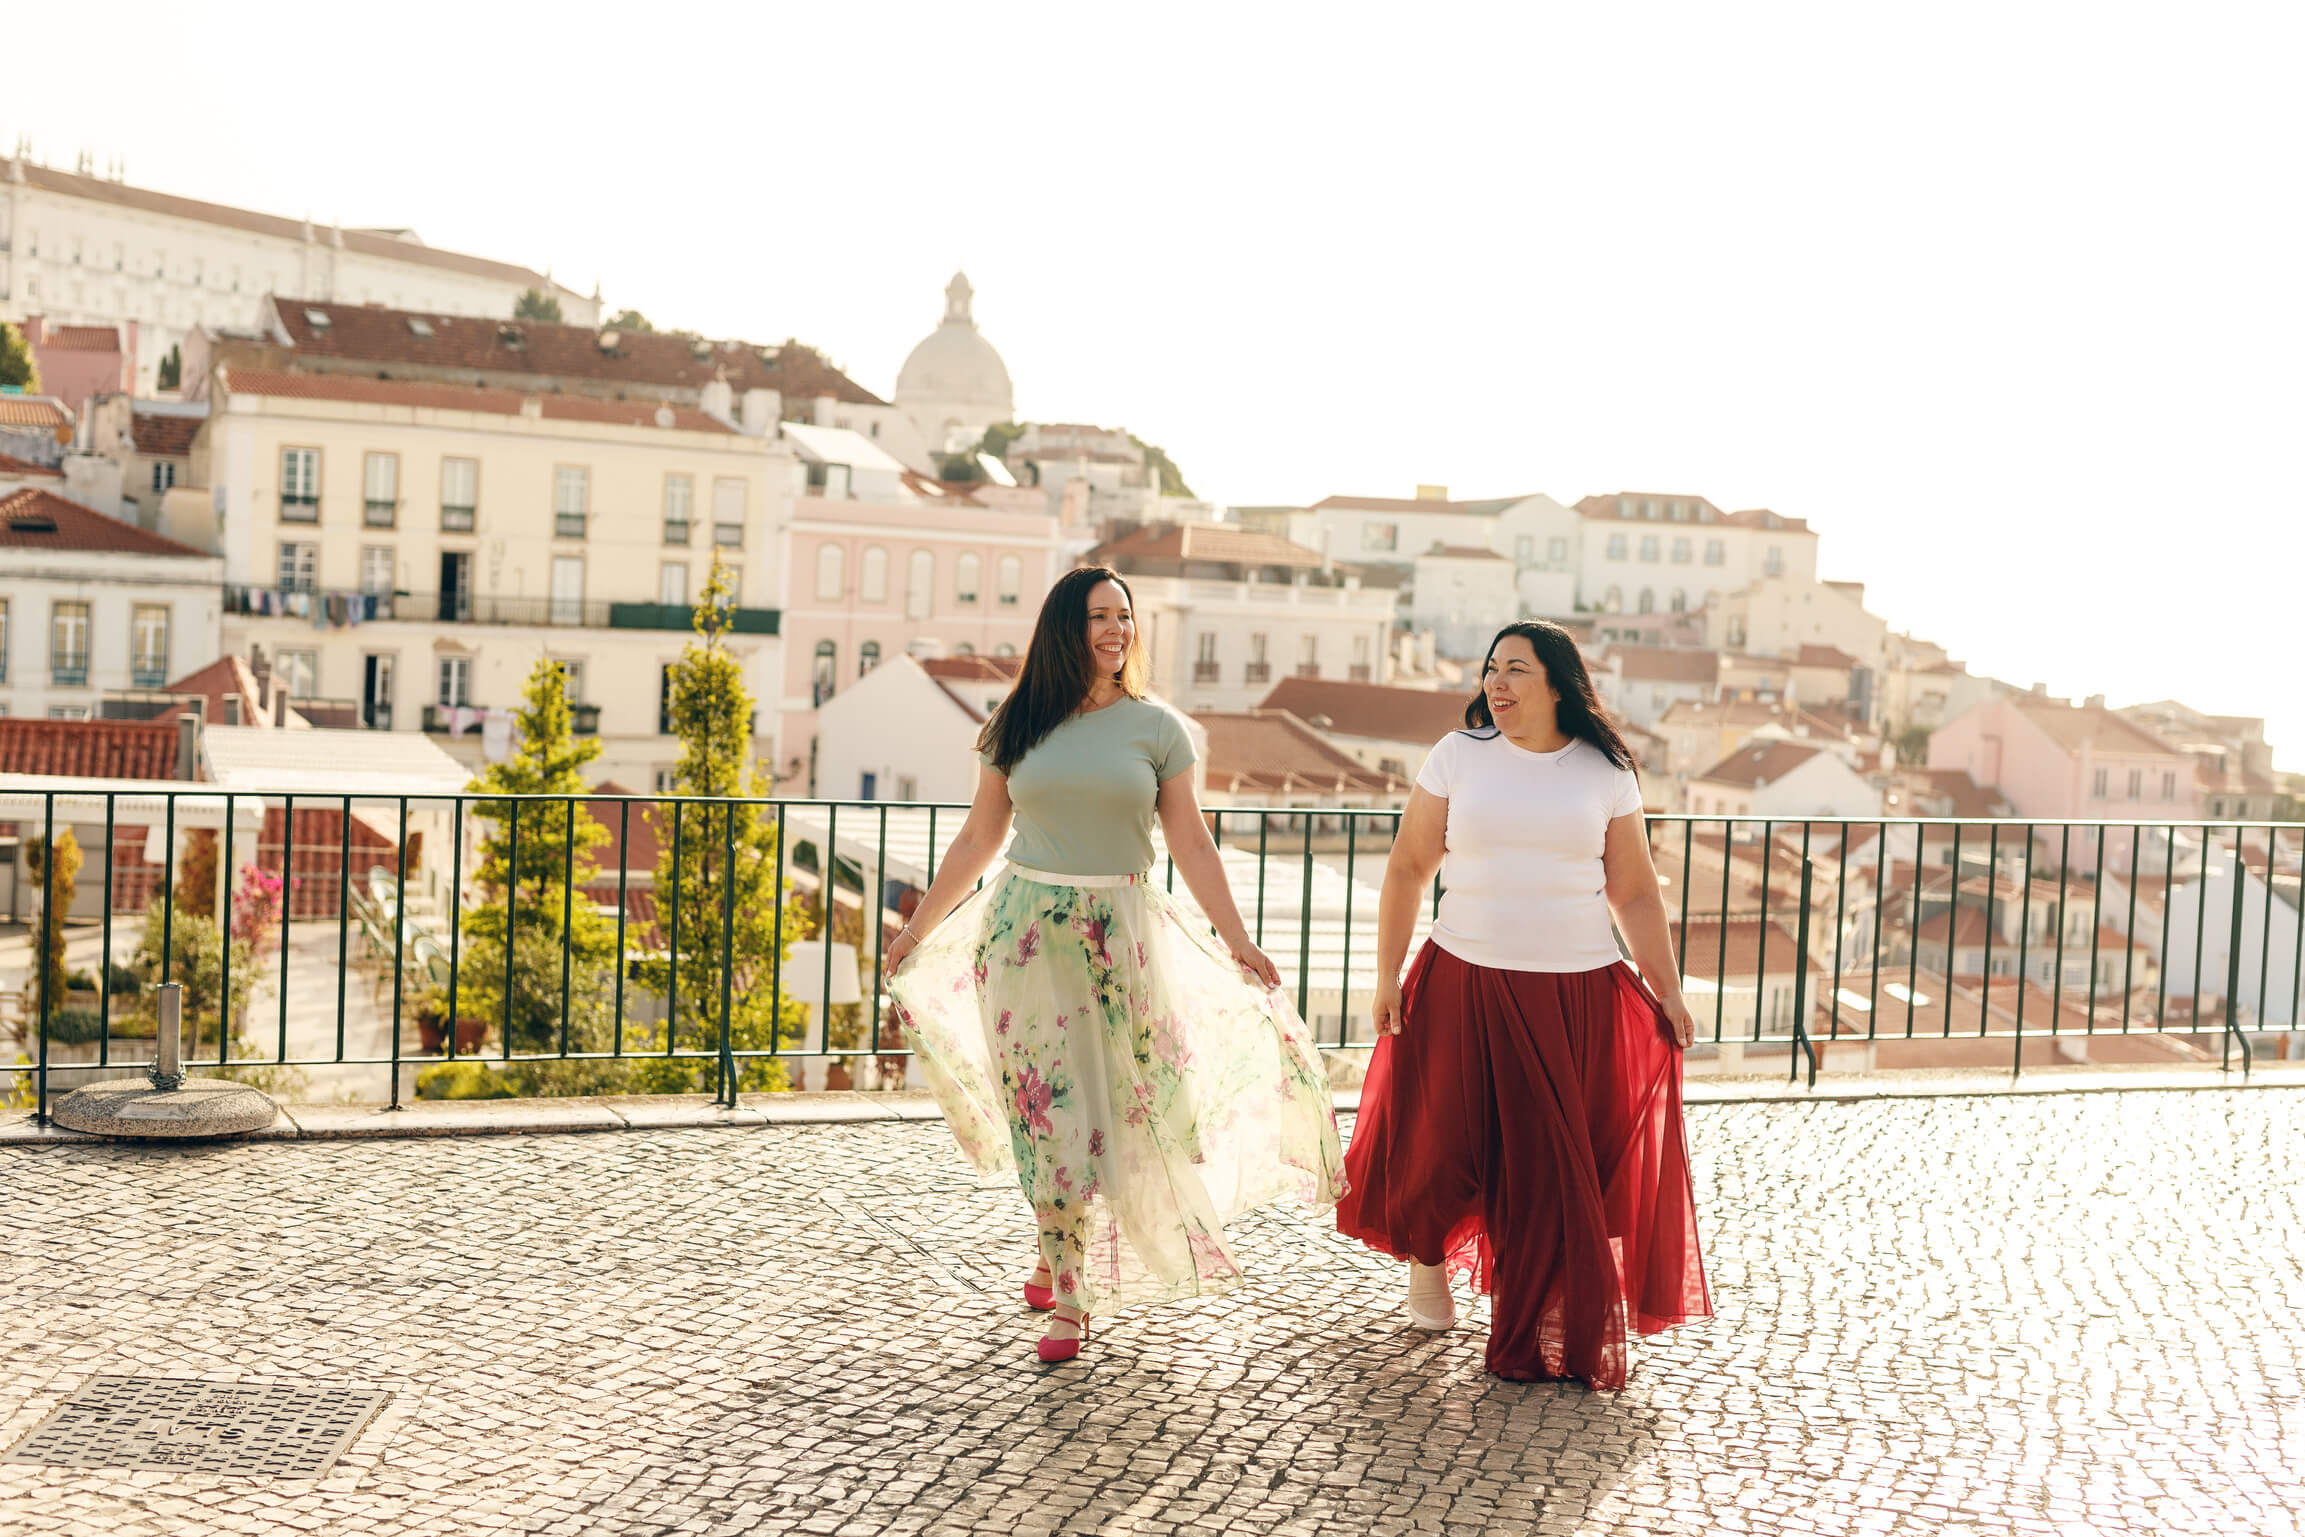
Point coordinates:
[(1173, 748), (1434, 776), (1624, 793)]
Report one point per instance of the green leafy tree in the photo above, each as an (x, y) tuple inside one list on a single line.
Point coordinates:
[(1912, 744), (57, 876), (557, 840), (998, 437), (1156, 459), (723, 883), (536, 304), (171, 375), (16, 364), (195, 948), (628, 320)]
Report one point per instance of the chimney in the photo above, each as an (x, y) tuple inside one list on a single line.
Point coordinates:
[(717, 400), (760, 411), (2096, 701), (187, 746)]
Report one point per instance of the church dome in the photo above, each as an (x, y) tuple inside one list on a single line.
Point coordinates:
[(954, 381)]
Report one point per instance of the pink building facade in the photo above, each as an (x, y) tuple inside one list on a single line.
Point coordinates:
[(872, 579), (2060, 762), (80, 362)]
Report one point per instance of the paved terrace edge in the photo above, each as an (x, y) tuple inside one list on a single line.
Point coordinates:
[(671, 1112)]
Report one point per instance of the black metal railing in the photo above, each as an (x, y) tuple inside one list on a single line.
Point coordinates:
[(1829, 942), (481, 608)]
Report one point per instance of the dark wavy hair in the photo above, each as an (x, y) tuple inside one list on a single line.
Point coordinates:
[(1059, 669), (1580, 713)]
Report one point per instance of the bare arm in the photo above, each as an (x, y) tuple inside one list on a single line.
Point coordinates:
[(1638, 904), (1409, 870), (981, 836), (1186, 832)]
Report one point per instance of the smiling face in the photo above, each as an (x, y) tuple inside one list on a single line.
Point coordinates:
[(1521, 698), (1111, 628)]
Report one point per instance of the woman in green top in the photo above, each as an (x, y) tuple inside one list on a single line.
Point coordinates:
[(1141, 1075)]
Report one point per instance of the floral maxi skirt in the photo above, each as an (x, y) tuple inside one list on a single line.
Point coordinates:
[(1094, 1039)]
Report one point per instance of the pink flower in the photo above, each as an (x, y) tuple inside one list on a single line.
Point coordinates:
[(1060, 1019), (1064, 1176), (1002, 1027), (1067, 1283), (1033, 1099), (1096, 1143), (1096, 940), (1140, 960), (1028, 944)]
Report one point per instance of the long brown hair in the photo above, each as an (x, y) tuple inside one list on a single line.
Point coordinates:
[(1580, 713), (1059, 669)]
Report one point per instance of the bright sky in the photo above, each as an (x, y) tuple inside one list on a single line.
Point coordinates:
[(2004, 299)]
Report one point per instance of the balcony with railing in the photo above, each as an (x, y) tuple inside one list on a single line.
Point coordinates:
[(1257, 672), (1207, 671), (299, 509), (487, 608), (68, 669), (1802, 947)]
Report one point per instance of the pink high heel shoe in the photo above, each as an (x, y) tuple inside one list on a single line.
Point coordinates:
[(1054, 1350), (1036, 1296)]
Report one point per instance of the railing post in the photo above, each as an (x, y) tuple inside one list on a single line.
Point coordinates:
[(168, 1039), (1801, 988), (1305, 923), (40, 950), (2233, 1035)]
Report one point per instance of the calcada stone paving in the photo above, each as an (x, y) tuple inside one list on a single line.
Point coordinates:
[(1983, 1315)]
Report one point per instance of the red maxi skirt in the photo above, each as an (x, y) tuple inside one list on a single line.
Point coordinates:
[(1524, 1129)]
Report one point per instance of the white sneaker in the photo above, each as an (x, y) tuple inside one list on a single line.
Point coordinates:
[(1432, 1306)]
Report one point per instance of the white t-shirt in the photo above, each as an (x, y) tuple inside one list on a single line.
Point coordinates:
[(1522, 885)]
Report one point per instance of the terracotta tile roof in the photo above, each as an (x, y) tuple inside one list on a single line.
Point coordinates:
[(1274, 752), (1968, 930), (1950, 792), (1383, 504), (1751, 712), (1760, 763), (1611, 508), (33, 519), (614, 855), (973, 669), (89, 749), (11, 465), (225, 675), (1203, 541), (1369, 709), (358, 241), (1666, 664), (361, 333), (2073, 727), (416, 395), (1461, 552), (82, 339), (1700, 949), (163, 434), (32, 411), (1825, 656)]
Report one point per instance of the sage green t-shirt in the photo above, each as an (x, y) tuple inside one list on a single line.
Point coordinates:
[(1084, 794)]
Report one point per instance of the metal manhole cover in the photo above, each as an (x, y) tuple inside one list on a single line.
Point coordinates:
[(260, 1429)]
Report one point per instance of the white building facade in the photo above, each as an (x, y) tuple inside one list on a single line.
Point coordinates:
[(76, 248), (91, 607), (413, 549)]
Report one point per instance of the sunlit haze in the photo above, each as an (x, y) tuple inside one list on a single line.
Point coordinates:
[(2004, 300)]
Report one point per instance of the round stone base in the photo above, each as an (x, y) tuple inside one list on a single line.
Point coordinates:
[(200, 1107)]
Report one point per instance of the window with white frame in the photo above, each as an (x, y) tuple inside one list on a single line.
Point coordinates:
[(1716, 552), (679, 498), (1649, 548), (1616, 547), (1680, 552), (2136, 784), (376, 568), (872, 575), (455, 682), (728, 513), (2100, 783), (1010, 580), (300, 485), (297, 673), (2169, 785), (299, 565), (919, 584), (1556, 550), (822, 671), (1648, 601), (380, 490), (1308, 656), (459, 494), (572, 680), (148, 645), (672, 584), (1774, 562), (571, 500), (4, 612), (163, 476), (831, 571), (1524, 549), (568, 589), (867, 657), (966, 572)]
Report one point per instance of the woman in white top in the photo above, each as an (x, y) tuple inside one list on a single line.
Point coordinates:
[(1521, 1122)]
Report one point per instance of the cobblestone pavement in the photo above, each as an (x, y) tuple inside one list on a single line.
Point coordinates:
[(1984, 1315)]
